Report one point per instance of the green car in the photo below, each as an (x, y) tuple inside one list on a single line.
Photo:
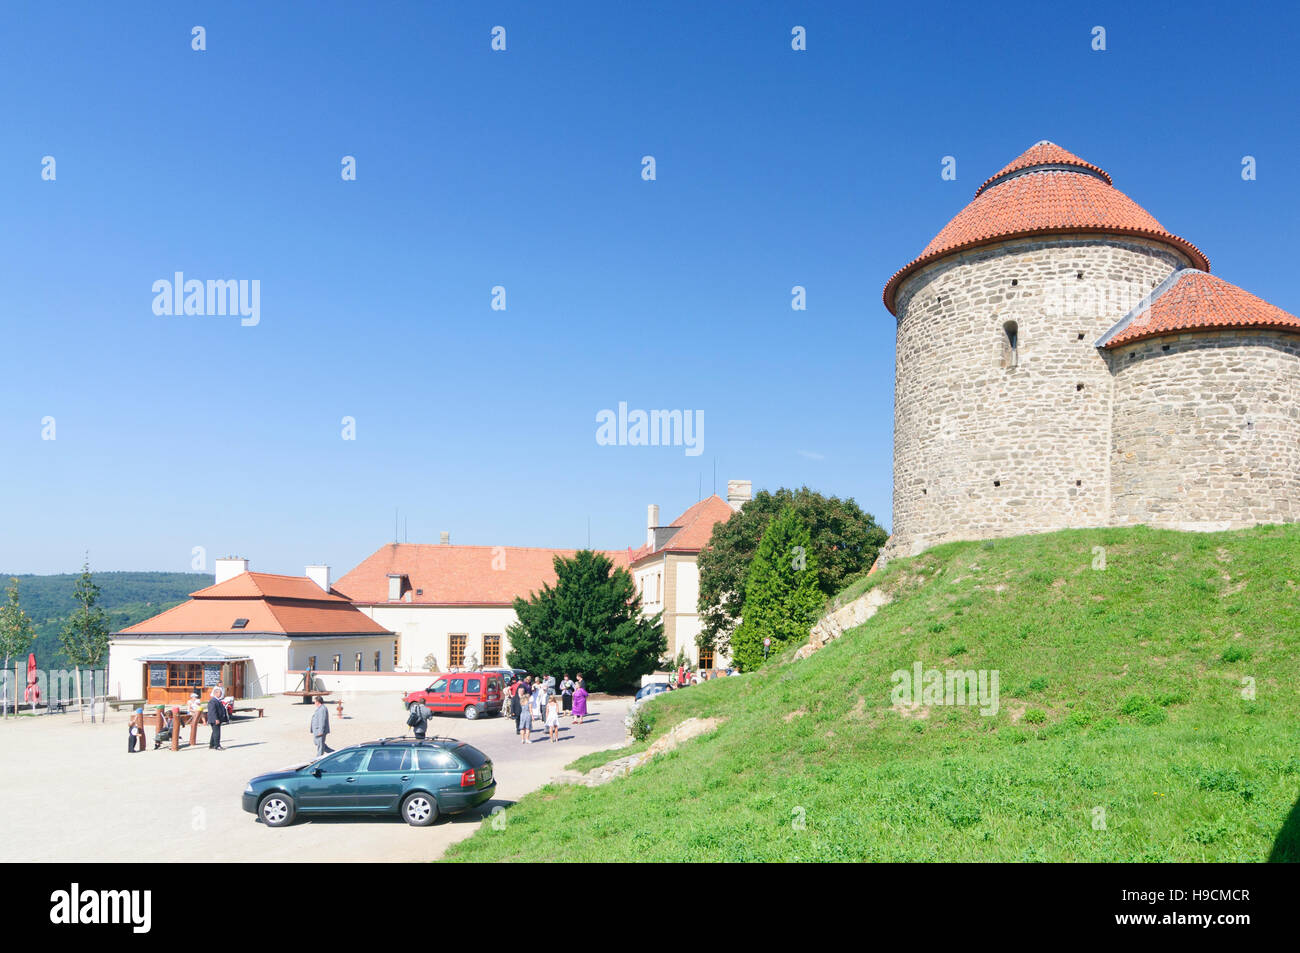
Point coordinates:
[(417, 778)]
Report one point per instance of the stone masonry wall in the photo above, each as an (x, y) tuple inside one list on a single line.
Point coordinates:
[(1207, 430), (985, 446)]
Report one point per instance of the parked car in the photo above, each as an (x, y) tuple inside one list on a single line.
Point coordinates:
[(417, 779), (646, 691), (468, 693), (509, 675)]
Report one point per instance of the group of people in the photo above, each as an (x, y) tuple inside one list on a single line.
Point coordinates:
[(541, 700), (219, 710)]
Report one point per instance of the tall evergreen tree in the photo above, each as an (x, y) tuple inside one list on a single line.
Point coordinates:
[(16, 634), (845, 539), (782, 598), (85, 636), (589, 622)]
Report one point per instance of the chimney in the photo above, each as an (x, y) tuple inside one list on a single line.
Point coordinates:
[(229, 567), (651, 521), (319, 575), (739, 492), (444, 538)]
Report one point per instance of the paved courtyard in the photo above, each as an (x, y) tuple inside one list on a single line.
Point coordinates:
[(72, 793)]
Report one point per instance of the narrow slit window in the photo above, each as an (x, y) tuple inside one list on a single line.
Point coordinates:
[(1010, 344)]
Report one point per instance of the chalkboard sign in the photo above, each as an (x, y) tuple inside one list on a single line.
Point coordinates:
[(157, 675), (211, 675)]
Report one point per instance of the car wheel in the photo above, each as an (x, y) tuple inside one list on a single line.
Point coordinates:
[(471, 712), (276, 809), (419, 809)]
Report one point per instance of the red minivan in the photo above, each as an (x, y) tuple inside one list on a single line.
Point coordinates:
[(468, 693)]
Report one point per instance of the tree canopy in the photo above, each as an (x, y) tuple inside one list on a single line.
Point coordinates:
[(844, 540), (85, 635), (590, 622), (782, 598)]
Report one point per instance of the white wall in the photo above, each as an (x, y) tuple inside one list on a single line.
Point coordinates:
[(425, 629), (264, 674), (301, 650)]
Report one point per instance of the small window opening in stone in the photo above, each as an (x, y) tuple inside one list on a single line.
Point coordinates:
[(1078, 387), (1080, 336), (997, 482), (1078, 274), (1164, 347), (923, 492), (1014, 282), (1078, 483), (1010, 344)]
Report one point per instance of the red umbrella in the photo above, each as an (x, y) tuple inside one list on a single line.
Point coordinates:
[(33, 693)]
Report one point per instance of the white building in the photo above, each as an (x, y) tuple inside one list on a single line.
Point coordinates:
[(250, 632), (453, 603), (667, 573)]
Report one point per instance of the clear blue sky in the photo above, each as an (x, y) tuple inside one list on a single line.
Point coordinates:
[(522, 169)]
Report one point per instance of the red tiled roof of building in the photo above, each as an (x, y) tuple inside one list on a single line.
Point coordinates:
[(696, 526), (1035, 197), (1043, 153), (257, 585), (1191, 300), (288, 606), (456, 575)]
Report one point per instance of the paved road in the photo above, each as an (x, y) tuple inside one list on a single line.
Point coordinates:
[(71, 792)]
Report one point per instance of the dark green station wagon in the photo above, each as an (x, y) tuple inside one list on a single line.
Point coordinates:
[(418, 779)]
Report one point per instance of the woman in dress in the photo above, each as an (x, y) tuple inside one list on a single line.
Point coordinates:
[(525, 720), (553, 719), (579, 701)]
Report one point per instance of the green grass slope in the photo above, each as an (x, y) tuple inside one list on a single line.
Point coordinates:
[(1122, 732)]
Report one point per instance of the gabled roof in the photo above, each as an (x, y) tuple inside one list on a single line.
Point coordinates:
[(1044, 191), (1192, 300), (271, 604), (257, 585), (456, 575), (695, 526)]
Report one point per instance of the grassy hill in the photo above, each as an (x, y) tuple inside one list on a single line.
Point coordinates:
[(126, 598), (1121, 689)]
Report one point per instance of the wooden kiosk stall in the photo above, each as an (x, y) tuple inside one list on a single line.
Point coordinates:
[(170, 677)]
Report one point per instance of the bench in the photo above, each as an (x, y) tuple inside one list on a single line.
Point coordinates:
[(119, 703), (260, 711)]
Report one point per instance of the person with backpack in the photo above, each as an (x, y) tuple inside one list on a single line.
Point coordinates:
[(418, 719)]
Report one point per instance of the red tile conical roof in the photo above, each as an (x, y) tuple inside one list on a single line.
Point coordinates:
[(1191, 300), (1045, 191)]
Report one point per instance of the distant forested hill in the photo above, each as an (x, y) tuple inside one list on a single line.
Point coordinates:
[(125, 597)]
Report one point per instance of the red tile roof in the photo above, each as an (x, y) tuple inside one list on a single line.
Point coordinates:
[(1191, 300), (696, 526), (456, 575), (1046, 191), (257, 585), (281, 605)]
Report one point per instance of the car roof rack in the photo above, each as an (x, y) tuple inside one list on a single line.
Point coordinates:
[(409, 738)]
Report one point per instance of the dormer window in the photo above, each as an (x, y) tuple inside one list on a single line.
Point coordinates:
[(398, 585)]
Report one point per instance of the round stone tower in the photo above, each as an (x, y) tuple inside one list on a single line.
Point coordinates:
[(1003, 397)]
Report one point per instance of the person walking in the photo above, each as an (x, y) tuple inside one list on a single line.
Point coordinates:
[(566, 694), (525, 719), (217, 716), (516, 693), (320, 726), (134, 734), (579, 701), (553, 719), (418, 719)]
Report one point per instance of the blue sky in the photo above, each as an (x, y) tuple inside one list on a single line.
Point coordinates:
[(522, 169)]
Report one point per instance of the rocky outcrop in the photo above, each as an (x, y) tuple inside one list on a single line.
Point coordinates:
[(834, 624), (688, 729)]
